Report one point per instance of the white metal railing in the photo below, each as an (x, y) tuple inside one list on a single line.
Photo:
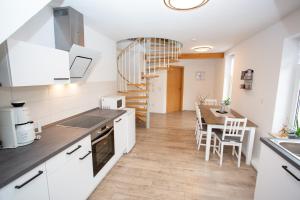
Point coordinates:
[(142, 56)]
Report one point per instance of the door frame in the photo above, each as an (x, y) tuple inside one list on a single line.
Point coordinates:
[(182, 86)]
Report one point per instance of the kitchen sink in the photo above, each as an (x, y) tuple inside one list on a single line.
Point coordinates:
[(290, 145)]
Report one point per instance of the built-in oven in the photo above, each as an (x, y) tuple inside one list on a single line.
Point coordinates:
[(103, 148)]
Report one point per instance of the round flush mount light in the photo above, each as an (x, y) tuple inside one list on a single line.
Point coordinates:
[(185, 4), (202, 49)]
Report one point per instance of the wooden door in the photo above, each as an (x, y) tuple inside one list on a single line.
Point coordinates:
[(175, 89)]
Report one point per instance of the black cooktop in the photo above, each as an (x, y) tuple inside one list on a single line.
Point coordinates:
[(84, 121)]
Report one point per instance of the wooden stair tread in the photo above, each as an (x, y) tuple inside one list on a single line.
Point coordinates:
[(139, 109), (156, 68), (136, 97), (137, 106), (150, 75), (133, 91), (137, 84), (140, 113), (136, 103)]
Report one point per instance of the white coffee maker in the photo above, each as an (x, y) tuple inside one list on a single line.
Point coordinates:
[(16, 127)]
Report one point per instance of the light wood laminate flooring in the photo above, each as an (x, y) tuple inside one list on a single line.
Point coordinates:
[(165, 165)]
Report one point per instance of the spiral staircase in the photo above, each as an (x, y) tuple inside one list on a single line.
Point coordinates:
[(139, 60)]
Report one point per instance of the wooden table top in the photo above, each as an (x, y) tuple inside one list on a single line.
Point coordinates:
[(210, 118)]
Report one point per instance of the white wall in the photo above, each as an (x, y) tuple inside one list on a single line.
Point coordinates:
[(158, 93), (219, 79), (263, 53), (194, 88), (14, 13), (52, 103)]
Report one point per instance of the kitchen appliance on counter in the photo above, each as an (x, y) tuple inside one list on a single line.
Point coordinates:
[(113, 102), (16, 127), (103, 148)]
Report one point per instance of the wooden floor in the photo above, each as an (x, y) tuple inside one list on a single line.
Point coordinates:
[(165, 165)]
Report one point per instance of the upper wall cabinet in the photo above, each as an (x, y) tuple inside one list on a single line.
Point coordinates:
[(26, 64)]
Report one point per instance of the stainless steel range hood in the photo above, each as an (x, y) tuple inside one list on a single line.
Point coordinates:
[(69, 36)]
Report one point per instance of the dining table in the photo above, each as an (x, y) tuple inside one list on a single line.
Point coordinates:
[(215, 120)]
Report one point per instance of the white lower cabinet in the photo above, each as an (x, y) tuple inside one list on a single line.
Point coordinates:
[(70, 173), (31, 186), (120, 126), (275, 180)]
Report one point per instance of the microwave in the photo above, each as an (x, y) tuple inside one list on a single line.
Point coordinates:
[(113, 102)]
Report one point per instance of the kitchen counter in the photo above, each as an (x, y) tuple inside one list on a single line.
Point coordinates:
[(281, 152), (16, 162)]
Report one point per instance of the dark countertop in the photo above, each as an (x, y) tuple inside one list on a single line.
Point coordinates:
[(16, 162), (281, 152)]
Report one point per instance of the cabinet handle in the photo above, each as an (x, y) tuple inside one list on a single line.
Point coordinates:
[(78, 147), (119, 120), (291, 173), (61, 79), (82, 158), (28, 181)]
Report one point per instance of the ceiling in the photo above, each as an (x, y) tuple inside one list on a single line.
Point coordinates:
[(220, 23)]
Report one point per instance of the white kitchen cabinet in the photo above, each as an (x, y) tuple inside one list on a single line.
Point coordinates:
[(70, 173), (120, 129), (26, 64), (273, 181), (131, 130), (32, 185)]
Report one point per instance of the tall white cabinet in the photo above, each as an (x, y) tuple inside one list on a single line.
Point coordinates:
[(120, 130), (131, 129)]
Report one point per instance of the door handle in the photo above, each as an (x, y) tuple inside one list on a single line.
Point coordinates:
[(78, 147), (61, 79), (82, 158), (119, 120), (291, 173), (28, 181)]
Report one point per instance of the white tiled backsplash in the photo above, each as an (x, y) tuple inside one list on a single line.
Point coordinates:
[(48, 104)]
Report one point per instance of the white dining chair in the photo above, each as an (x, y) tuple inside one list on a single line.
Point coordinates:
[(211, 102), (197, 123), (201, 132), (232, 135)]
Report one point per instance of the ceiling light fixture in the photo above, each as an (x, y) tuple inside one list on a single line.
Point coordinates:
[(202, 49), (185, 4)]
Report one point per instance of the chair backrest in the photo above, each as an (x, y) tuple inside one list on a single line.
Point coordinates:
[(199, 117), (211, 102), (234, 127)]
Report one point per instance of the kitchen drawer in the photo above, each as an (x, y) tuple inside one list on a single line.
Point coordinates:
[(73, 152), (32, 185), (277, 178)]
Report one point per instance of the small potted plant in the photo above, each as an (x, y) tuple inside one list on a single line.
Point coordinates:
[(225, 104)]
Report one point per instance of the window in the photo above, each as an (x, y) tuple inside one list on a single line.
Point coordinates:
[(228, 76), (296, 105), (297, 114)]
